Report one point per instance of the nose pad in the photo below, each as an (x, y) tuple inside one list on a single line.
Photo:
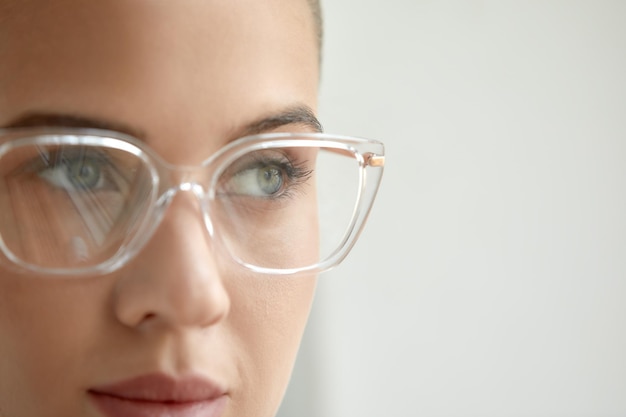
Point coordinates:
[(201, 195)]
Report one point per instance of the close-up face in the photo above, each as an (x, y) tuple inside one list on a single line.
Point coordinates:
[(176, 328)]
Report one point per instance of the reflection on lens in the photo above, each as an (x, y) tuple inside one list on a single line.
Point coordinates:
[(69, 205)]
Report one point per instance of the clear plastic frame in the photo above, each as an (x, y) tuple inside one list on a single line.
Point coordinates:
[(78, 202)]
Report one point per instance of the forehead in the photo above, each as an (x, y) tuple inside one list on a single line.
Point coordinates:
[(202, 64)]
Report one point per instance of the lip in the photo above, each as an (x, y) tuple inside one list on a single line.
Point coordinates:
[(159, 395)]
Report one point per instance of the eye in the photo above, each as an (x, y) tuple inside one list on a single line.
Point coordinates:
[(270, 179), (75, 173), (267, 175), (261, 181)]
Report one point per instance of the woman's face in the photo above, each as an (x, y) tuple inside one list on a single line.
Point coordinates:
[(190, 76)]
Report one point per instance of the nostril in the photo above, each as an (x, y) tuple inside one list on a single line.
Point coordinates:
[(148, 317)]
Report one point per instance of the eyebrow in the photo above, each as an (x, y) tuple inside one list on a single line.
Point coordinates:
[(43, 119), (299, 115), (296, 115)]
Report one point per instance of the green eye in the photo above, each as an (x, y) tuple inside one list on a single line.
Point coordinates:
[(75, 170), (75, 173), (270, 179), (261, 181), (83, 173), (263, 175)]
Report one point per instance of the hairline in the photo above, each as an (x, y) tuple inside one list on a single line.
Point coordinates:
[(318, 23)]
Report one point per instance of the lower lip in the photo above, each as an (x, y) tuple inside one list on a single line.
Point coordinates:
[(118, 407)]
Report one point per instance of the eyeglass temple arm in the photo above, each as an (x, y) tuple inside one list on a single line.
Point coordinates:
[(369, 158)]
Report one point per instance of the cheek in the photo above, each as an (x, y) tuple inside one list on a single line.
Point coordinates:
[(268, 321), (45, 328)]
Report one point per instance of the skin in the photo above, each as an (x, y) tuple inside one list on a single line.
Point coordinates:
[(190, 77)]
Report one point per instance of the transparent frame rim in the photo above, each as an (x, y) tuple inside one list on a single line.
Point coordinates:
[(361, 149)]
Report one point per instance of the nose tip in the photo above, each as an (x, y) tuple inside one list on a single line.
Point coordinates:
[(175, 279)]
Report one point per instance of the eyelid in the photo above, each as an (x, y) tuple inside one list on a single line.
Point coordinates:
[(254, 160)]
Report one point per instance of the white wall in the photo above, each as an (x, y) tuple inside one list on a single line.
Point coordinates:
[(491, 279)]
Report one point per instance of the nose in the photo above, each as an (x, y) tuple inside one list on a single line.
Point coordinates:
[(175, 280)]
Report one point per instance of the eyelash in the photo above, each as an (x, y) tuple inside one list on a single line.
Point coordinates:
[(297, 175)]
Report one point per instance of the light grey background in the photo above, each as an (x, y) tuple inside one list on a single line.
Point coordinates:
[(491, 278)]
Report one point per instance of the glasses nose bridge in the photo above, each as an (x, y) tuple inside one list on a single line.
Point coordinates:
[(194, 180), (188, 186), (188, 178)]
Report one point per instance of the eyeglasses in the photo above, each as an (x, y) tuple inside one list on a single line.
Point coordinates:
[(85, 201)]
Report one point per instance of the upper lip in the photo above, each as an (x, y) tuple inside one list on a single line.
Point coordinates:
[(162, 388)]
